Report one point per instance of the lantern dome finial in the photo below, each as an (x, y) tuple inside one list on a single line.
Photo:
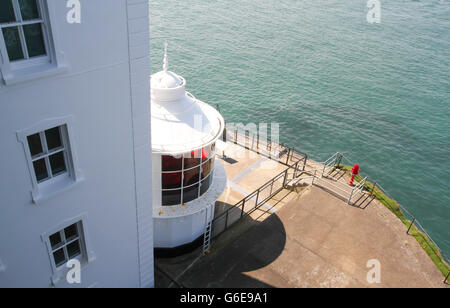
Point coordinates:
[(166, 61)]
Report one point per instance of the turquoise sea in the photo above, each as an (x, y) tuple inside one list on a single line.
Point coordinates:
[(379, 93)]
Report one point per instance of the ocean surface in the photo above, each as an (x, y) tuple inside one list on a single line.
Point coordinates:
[(379, 93)]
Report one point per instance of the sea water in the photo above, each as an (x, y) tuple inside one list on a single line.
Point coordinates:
[(377, 92)]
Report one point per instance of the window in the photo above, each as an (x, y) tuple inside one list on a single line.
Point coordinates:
[(187, 177), (67, 241), (48, 153), (51, 158), (67, 244), (23, 31)]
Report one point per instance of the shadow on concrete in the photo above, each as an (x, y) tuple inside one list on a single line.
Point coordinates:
[(228, 159), (363, 201), (337, 174), (232, 258), (246, 246)]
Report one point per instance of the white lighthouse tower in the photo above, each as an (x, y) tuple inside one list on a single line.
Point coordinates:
[(187, 179)]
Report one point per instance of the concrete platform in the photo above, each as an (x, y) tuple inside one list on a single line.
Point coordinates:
[(307, 238)]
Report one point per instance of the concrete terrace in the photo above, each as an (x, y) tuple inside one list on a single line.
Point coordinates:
[(302, 237)]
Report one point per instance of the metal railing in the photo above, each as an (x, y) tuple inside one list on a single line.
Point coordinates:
[(264, 146), (256, 199), (413, 221)]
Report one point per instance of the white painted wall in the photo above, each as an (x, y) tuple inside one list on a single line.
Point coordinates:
[(106, 91)]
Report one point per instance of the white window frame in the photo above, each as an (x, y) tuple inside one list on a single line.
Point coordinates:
[(46, 153), (64, 243), (19, 23), (87, 255), (45, 189), (28, 69)]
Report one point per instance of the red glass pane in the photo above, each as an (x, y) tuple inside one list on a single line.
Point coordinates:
[(190, 193), (206, 167), (191, 176), (171, 180), (170, 163), (171, 197), (192, 159), (205, 154)]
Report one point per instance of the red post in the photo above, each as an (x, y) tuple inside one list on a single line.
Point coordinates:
[(355, 171)]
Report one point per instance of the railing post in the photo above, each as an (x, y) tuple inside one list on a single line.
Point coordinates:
[(253, 141), (285, 177), (314, 177), (226, 220), (287, 159), (412, 222), (373, 188), (257, 143), (350, 198), (257, 198), (235, 136), (242, 210)]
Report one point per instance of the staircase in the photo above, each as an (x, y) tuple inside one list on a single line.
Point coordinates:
[(326, 176)]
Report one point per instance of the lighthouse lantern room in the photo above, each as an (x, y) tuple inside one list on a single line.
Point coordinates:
[(187, 179)]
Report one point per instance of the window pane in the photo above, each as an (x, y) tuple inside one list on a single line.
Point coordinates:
[(205, 184), (40, 169), (171, 197), (34, 143), (206, 153), (206, 168), (170, 163), (34, 39), (6, 11), (13, 44), (190, 193), (73, 249), (59, 257), (55, 240), (192, 159), (191, 176), (57, 163), (71, 232), (29, 9), (171, 180), (53, 138)]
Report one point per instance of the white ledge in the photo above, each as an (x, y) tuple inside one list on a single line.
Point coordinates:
[(32, 73), (49, 190)]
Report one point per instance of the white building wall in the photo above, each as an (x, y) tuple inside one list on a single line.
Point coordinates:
[(139, 54), (105, 91)]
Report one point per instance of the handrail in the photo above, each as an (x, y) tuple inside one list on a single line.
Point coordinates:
[(256, 192), (409, 216), (291, 152)]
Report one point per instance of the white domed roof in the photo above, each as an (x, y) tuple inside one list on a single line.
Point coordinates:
[(166, 80), (183, 125), (180, 122)]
